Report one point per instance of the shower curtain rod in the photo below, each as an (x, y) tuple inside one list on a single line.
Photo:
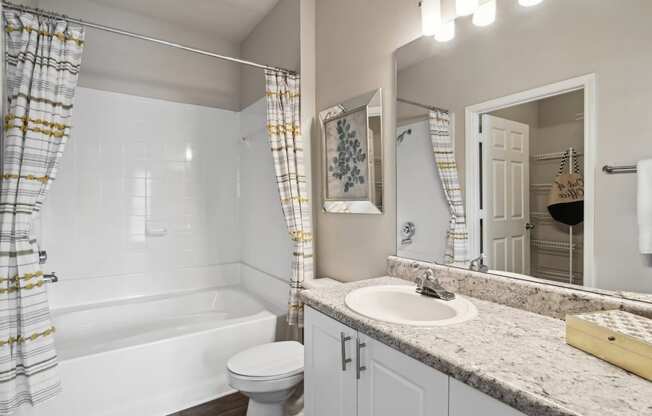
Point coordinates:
[(427, 107), (126, 33)]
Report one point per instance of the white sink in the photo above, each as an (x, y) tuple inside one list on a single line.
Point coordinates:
[(402, 305)]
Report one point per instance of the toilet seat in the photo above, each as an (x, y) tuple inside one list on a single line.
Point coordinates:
[(267, 362), (260, 385)]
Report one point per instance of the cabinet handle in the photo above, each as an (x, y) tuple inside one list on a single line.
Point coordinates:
[(359, 368), (343, 339)]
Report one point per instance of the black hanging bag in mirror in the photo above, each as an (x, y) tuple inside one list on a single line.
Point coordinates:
[(566, 199)]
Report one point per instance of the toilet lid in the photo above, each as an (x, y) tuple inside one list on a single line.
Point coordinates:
[(268, 360)]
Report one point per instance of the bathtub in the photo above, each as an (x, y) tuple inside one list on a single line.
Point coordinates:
[(154, 355)]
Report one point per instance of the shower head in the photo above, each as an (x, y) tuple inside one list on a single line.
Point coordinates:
[(401, 136)]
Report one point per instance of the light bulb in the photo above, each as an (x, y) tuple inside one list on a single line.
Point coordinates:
[(529, 3), (430, 16), (445, 32), (486, 13), (466, 7)]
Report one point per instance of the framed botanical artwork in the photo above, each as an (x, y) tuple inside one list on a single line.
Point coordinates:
[(352, 155)]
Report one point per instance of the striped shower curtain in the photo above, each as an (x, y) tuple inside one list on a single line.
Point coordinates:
[(284, 127), (42, 58), (457, 239)]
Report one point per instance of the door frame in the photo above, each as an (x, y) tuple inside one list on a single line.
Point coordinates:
[(472, 159)]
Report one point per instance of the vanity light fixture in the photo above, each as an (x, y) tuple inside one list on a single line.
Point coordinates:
[(529, 3), (486, 13), (430, 16), (445, 32), (466, 7)]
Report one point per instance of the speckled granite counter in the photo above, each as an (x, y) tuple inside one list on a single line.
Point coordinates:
[(517, 357)]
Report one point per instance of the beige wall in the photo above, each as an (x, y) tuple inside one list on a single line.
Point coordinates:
[(527, 48), (116, 63), (355, 45), (274, 41)]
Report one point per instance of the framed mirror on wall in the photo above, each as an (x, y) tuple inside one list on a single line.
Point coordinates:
[(352, 162), (515, 106)]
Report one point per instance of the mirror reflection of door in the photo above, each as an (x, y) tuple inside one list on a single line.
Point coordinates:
[(507, 194), (522, 149)]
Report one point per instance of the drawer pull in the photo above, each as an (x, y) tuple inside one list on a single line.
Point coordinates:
[(359, 368)]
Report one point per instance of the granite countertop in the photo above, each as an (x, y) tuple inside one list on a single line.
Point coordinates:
[(515, 356)]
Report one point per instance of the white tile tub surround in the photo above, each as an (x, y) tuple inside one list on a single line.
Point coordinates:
[(85, 291), (134, 338), (134, 162)]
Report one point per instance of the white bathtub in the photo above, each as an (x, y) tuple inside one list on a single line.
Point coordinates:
[(152, 355)]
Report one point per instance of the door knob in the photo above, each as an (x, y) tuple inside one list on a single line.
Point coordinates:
[(529, 226)]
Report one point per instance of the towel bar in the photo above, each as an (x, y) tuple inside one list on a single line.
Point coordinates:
[(619, 169)]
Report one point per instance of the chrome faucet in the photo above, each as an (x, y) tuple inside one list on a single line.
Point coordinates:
[(477, 264), (427, 285)]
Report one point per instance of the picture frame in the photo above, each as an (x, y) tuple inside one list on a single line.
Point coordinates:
[(352, 168)]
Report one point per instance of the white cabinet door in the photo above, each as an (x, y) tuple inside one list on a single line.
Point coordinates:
[(467, 401), (391, 384), (329, 369)]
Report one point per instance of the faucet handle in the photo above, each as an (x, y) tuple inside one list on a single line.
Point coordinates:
[(428, 274)]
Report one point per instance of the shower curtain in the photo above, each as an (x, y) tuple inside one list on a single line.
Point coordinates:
[(284, 127), (42, 58), (457, 238)]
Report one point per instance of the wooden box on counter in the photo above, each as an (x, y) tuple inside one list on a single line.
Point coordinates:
[(619, 337)]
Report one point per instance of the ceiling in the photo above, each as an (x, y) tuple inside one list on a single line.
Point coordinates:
[(231, 20)]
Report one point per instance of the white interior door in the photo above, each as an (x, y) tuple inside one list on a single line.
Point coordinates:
[(506, 194)]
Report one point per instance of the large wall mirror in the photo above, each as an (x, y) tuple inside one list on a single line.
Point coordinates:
[(517, 146)]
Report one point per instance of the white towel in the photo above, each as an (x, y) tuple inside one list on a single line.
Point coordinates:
[(644, 197)]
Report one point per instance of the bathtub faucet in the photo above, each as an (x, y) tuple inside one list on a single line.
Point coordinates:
[(51, 278)]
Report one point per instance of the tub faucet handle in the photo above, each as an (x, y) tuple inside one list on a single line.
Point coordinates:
[(51, 278)]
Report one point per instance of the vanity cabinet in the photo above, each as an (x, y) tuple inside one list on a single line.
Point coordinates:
[(328, 367), (467, 401), (394, 384), (350, 374)]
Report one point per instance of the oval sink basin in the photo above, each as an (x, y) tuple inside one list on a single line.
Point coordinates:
[(402, 305)]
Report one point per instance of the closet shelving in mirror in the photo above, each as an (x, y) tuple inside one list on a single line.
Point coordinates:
[(540, 187), (555, 245), (557, 275), (553, 156), (541, 217)]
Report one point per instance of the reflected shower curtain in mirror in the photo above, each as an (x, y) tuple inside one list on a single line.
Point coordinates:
[(457, 239), (42, 58), (284, 127)]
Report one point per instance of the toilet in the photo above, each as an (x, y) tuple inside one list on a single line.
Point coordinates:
[(268, 375)]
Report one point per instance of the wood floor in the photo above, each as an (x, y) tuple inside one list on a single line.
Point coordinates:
[(232, 405)]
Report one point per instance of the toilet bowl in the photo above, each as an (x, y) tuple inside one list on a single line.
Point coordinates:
[(268, 375)]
